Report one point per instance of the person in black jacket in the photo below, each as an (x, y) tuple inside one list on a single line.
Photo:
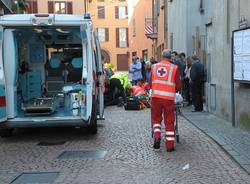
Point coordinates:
[(197, 75)]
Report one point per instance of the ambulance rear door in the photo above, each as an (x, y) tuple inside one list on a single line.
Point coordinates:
[(3, 116), (100, 77)]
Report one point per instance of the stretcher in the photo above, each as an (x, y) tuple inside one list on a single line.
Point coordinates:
[(177, 108)]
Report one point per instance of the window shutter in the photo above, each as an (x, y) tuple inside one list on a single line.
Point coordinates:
[(32, 6), (101, 12), (29, 8), (117, 12), (106, 34), (35, 9), (117, 38), (127, 37), (69, 8), (50, 6)]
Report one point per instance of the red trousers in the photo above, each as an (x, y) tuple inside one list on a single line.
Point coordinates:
[(163, 108)]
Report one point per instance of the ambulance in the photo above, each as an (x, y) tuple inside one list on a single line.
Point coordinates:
[(50, 72)]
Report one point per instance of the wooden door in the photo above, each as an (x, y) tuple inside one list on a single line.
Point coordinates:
[(122, 62)]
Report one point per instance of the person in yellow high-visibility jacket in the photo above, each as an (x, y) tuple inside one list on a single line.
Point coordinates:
[(121, 83)]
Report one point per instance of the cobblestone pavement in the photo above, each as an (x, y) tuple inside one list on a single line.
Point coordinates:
[(234, 140), (126, 137)]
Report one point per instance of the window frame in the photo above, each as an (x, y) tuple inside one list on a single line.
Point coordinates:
[(68, 6), (119, 43)]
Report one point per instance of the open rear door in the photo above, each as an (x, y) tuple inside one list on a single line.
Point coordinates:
[(3, 116), (100, 78)]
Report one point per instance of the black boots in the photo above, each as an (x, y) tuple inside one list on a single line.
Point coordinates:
[(170, 150), (157, 144)]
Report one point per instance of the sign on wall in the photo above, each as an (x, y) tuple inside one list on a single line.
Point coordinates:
[(241, 55)]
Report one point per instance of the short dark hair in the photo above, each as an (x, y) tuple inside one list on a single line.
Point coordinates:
[(175, 53), (195, 57), (182, 54)]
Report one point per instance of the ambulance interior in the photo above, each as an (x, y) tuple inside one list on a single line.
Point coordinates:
[(43, 71)]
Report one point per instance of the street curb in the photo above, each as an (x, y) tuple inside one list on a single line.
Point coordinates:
[(220, 145)]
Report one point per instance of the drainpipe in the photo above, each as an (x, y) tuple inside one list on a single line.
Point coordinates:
[(85, 6)]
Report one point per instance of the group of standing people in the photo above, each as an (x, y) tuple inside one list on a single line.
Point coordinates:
[(191, 70), (193, 76), (140, 70)]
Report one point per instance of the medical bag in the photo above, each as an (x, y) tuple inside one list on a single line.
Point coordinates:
[(133, 103)]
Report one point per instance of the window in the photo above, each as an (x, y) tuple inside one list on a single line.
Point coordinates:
[(103, 34), (134, 53), (145, 55), (121, 37), (121, 12), (101, 12), (60, 7), (32, 6)]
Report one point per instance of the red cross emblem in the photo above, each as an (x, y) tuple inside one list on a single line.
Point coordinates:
[(161, 72)]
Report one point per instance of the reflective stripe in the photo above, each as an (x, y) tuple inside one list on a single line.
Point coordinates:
[(163, 93), (169, 133), (157, 130), (170, 73), (163, 82), (155, 72), (157, 125), (170, 138)]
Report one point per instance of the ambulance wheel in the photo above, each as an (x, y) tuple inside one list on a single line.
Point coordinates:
[(92, 129), (6, 132)]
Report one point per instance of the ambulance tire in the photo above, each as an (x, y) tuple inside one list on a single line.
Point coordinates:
[(92, 129), (6, 132)]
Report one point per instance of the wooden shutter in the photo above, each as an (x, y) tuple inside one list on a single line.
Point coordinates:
[(117, 38), (35, 8), (69, 8), (126, 11), (50, 6), (106, 34), (127, 37), (117, 12), (29, 8), (101, 12), (32, 6)]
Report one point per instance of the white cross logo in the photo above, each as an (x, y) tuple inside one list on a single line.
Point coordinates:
[(161, 72)]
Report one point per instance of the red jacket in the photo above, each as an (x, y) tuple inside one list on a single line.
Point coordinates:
[(165, 80)]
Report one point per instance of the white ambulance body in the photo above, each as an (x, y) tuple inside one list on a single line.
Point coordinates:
[(50, 72)]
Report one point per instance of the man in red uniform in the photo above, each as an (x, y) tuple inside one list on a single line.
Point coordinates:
[(165, 82)]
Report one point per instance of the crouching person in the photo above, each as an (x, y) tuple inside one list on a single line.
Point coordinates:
[(119, 83)]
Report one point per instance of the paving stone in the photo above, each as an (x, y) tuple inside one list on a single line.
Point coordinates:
[(130, 158), (234, 140)]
